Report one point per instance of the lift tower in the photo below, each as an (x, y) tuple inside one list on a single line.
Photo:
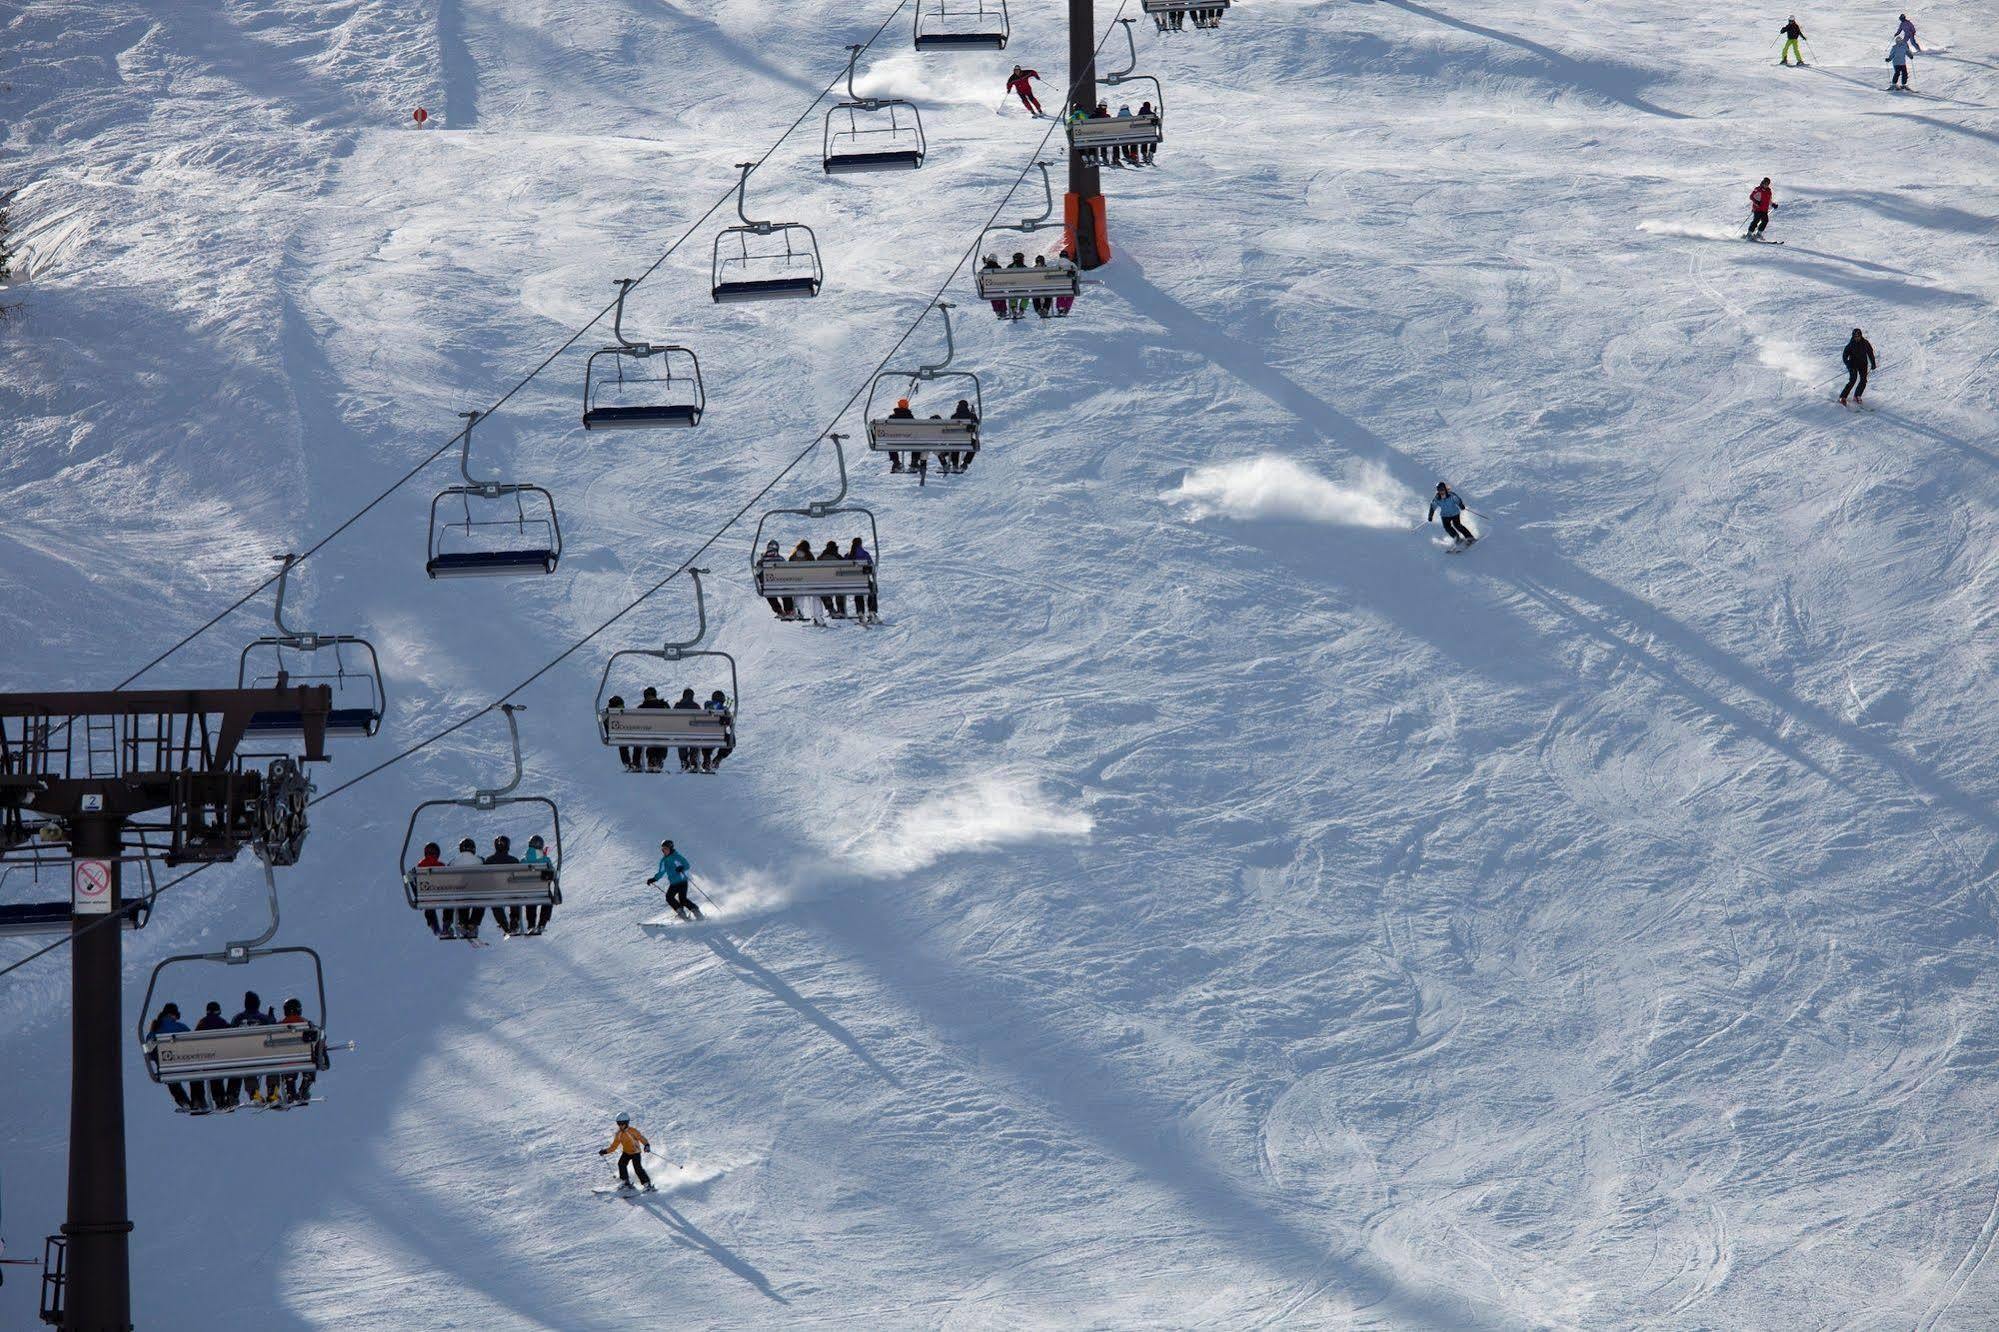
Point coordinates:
[(116, 777), (1083, 214)]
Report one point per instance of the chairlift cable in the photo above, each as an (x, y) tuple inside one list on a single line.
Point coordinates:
[(865, 384)]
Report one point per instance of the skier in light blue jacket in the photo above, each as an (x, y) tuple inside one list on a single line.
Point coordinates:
[(673, 867), (1898, 56), (1450, 506)]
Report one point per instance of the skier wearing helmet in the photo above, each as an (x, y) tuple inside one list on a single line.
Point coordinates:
[(1450, 505), (628, 1143), (673, 867)]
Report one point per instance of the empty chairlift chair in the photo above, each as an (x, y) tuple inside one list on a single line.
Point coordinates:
[(1108, 136), (764, 261), (1004, 283), (49, 914), (640, 385), (787, 580), (483, 539), (962, 25), (953, 436), (872, 133), (534, 887), (293, 1049), (344, 662), (704, 734)]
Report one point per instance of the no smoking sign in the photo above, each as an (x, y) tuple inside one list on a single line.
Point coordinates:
[(90, 888)]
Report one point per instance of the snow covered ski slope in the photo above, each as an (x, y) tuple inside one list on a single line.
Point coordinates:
[(1199, 904)]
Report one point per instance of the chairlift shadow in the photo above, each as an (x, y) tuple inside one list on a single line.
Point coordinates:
[(690, 1236)]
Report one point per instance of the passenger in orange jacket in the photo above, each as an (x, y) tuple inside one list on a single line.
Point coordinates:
[(628, 1142)]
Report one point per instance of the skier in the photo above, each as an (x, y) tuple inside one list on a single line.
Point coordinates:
[(689, 757), (1760, 204), (1859, 358), (1017, 83), (1793, 34), (1905, 29), (673, 868), (1448, 503), (169, 1022), (901, 413), (1898, 56), (835, 606), (537, 855), (628, 1142)]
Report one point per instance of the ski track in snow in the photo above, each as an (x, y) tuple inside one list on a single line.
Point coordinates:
[(1200, 904)]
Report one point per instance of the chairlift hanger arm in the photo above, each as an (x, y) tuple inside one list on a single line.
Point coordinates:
[(487, 797)]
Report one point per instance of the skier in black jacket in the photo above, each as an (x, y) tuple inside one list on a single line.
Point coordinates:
[(1859, 358)]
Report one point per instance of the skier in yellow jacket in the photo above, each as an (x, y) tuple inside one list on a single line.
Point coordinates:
[(628, 1142)]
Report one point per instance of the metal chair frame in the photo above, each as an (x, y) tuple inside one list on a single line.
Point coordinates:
[(305, 641), (927, 374), (768, 288), (624, 351), (816, 509), (487, 799), (680, 651), (983, 40), (892, 159), (499, 564)]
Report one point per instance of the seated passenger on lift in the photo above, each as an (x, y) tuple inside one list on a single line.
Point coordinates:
[(782, 607), (298, 1086), (901, 413), (433, 858), (468, 917), (688, 756), (718, 703), (655, 754), (866, 605), (168, 1023), (537, 856), (508, 918), (991, 265)]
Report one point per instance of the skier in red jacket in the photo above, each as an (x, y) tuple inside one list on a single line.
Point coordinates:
[(1760, 204), (1017, 82)]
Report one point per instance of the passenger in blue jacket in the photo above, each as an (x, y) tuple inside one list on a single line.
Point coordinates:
[(221, 1091), (1448, 504), (168, 1023), (673, 868)]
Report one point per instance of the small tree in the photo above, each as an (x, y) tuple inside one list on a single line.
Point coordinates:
[(6, 255)]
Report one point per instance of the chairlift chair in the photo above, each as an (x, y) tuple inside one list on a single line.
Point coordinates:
[(463, 887), (632, 727), (867, 142), (247, 1052), (1105, 133), (785, 578), (359, 698), (951, 435), (640, 385), (762, 272), (1028, 283), (961, 25), (529, 542), (20, 919)]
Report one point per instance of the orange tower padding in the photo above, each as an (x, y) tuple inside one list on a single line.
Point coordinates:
[(1072, 210)]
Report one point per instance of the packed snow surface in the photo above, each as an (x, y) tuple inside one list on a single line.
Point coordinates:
[(1203, 902)]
